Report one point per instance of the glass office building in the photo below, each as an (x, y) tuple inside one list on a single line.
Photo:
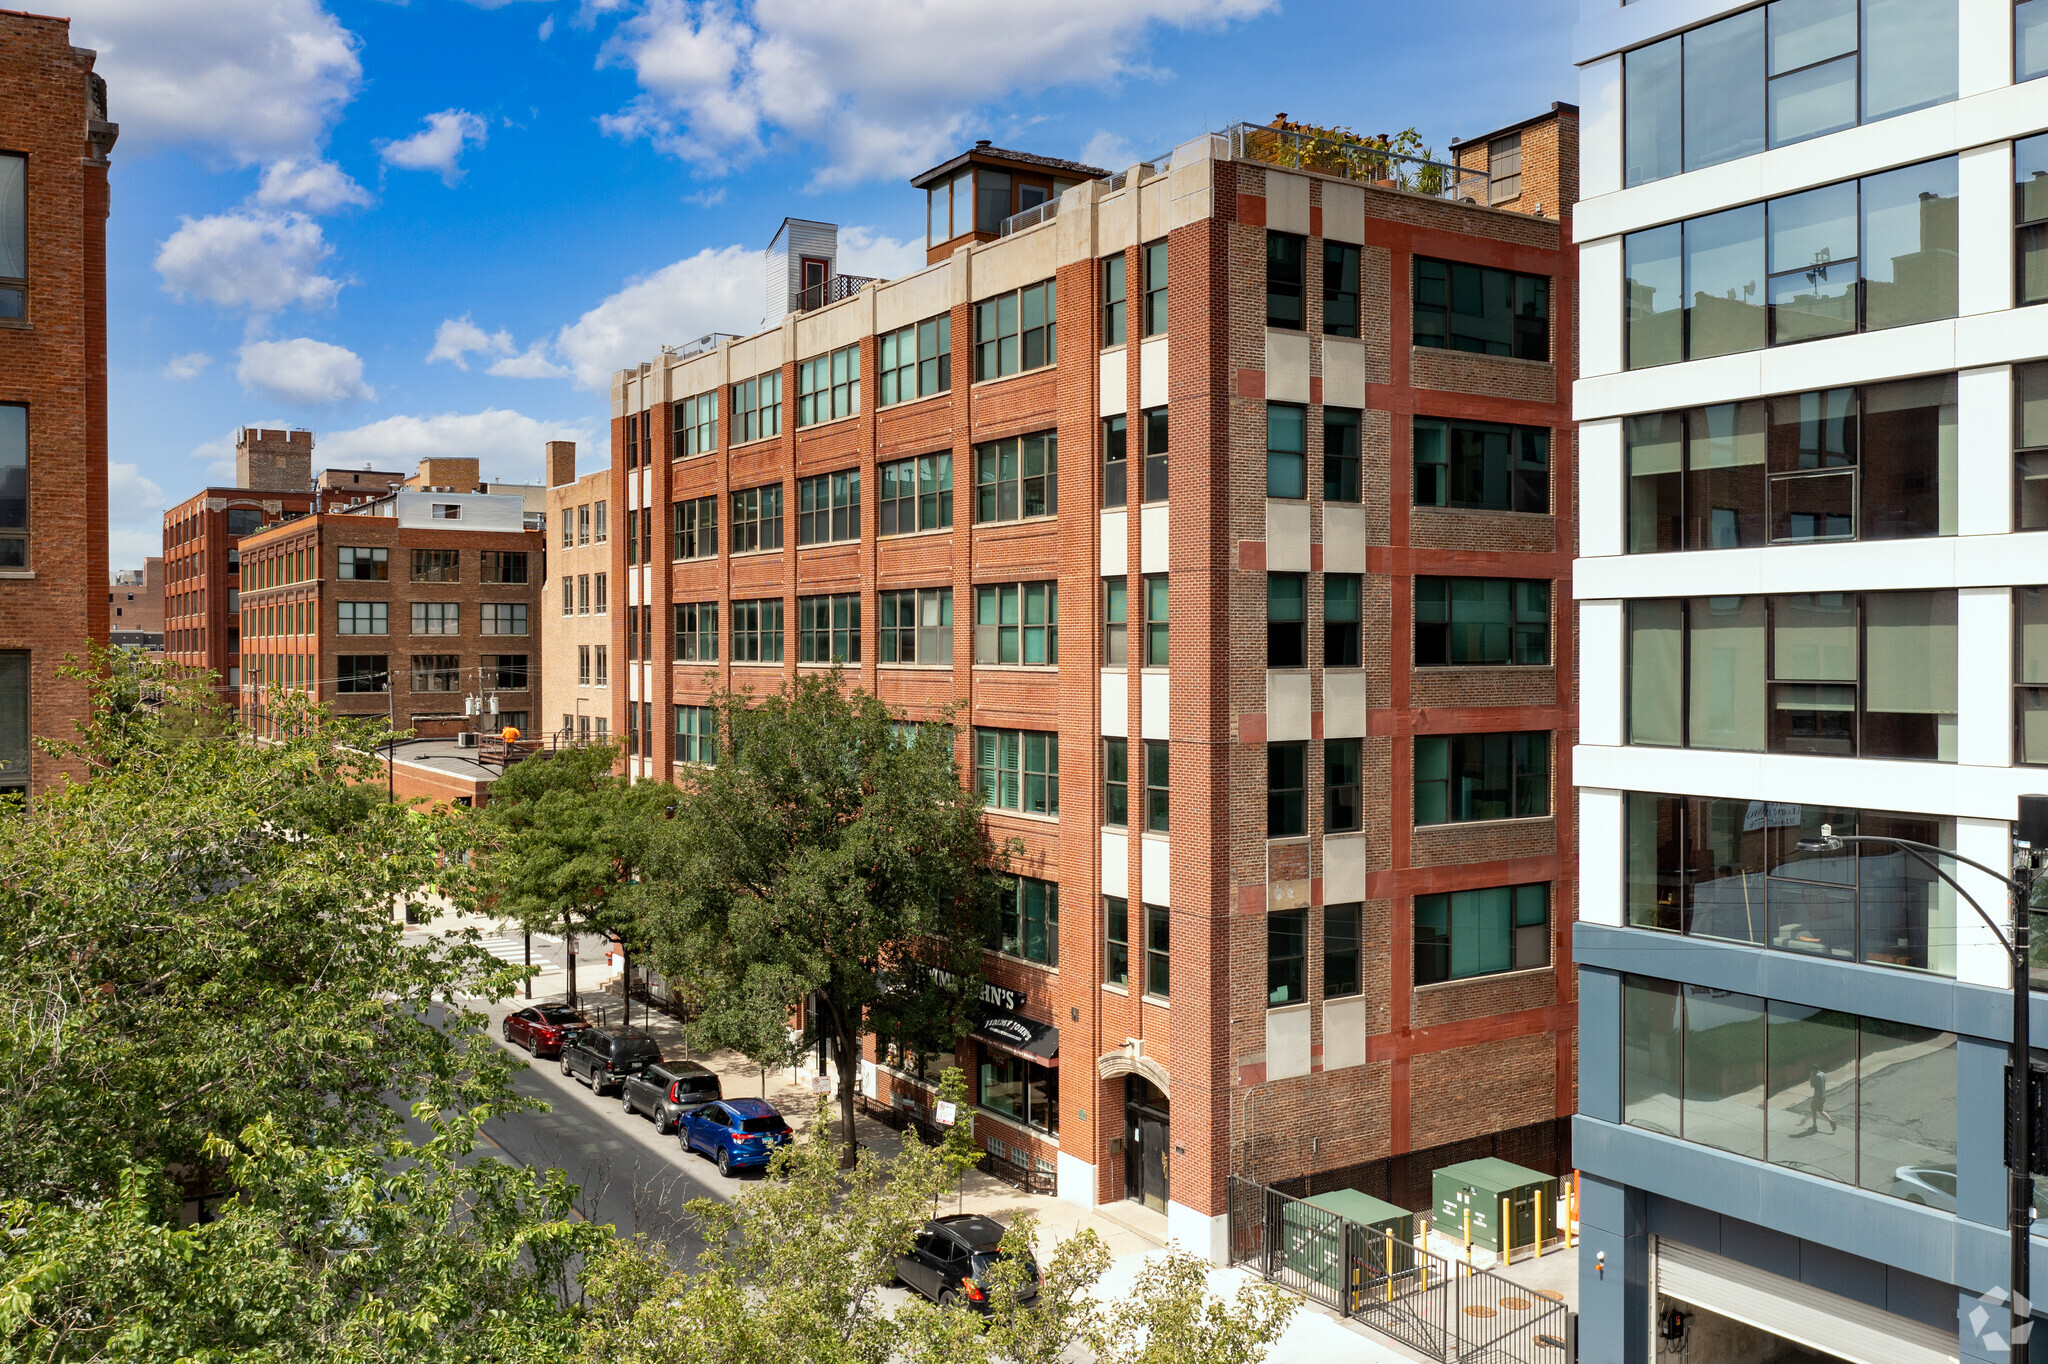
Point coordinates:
[(1813, 434)]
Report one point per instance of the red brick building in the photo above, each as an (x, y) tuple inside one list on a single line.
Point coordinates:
[(421, 606), (203, 534), (1232, 498), (54, 140)]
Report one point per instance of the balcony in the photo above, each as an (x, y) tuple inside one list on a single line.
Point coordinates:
[(1365, 160), (831, 291)]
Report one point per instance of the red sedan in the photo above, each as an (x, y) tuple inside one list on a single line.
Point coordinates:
[(539, 1028)]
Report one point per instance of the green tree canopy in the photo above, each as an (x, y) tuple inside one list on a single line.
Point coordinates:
[(205, 990), (831, 855), (562, 833)]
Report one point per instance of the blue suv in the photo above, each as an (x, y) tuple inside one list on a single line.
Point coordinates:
[(737, 1133)]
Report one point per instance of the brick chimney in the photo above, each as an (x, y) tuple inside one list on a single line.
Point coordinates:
[(561, 462), (273, 461)]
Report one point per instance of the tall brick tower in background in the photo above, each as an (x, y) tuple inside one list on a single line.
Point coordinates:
[(273, 461), (54, 140)]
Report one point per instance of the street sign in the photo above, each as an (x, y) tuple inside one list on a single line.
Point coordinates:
[(948, 1113)]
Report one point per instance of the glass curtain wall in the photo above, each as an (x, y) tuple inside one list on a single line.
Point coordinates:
[(1823, 673), (1785, 72), (1860, 1101), (1730, 869), (1861, 255)]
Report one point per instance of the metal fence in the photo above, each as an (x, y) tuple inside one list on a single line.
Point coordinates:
[(1030, 217), (1430, 1303)]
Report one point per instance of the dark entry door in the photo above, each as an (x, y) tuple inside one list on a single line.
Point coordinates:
[(1147, 1166), (1152, 1163)]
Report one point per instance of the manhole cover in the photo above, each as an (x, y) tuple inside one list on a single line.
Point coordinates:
[(1547, 1295), (1516, 1304), (1475, 1310)]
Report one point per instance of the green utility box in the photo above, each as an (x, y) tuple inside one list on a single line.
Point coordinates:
[(1314, 1230), (1478, 1186), (1363, 1210)]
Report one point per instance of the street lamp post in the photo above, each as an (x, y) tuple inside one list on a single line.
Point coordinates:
[(2030, 839)]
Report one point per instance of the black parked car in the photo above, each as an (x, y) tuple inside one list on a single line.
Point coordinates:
[(953, 1259), (603, 1057), (667, 1091)]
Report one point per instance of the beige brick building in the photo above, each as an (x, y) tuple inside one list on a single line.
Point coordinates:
[(1231, 497), (576, 704)]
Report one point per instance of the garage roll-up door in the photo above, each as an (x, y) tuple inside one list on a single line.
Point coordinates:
[(1798, 1312)]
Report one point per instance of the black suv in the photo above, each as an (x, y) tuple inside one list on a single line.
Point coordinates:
[(603, 1057), (951, 1261), (667, 1091)]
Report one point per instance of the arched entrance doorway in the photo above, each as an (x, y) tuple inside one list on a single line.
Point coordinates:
[(1148, 1166)]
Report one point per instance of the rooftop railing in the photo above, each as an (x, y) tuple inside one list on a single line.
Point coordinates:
[(1365, 162), (831, 291), (1030, 217), (1158, 165)]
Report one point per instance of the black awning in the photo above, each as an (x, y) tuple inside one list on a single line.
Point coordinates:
[(1019, 1035)]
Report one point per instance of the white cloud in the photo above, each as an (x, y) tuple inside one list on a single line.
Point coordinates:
[(303, 371), (255, 79), (457, 338), (547, 28), (135, 516), (719, 83), (509, 443), (248, 259), (710, 198), (321, 186), (1110, 151), (714, 290), (531, 363), (188, 365), (864, 251), (438, 146)]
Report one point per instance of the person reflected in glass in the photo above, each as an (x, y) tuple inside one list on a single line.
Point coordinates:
[(1817, 1107)]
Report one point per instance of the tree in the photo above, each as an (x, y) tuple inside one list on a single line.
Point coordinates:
[(200, 950), (1169, 1316), (825, 859), (793, 1272), (562, 834)]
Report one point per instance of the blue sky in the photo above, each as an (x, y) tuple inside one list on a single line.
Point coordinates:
[(436, 227)]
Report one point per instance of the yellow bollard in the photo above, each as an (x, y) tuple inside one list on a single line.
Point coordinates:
[(1507, 1235), (1390, 1265), (1468, 1240), (1424, 1243), (1539, 1221), (1572, 1220)]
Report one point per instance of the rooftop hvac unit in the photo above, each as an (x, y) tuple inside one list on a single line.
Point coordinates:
[(466, 739)]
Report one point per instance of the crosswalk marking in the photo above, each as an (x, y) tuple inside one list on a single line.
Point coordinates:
[(511, 947), (507, 949)]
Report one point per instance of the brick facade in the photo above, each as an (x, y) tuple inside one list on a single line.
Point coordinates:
[(1269, 1093), (53, 364), (203, 576), (291, 603)]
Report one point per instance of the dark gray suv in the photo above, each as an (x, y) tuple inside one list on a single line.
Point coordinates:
[(667, 1091), (603, 1057)]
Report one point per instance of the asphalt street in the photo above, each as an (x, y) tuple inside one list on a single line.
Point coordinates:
[(631, 1178)]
